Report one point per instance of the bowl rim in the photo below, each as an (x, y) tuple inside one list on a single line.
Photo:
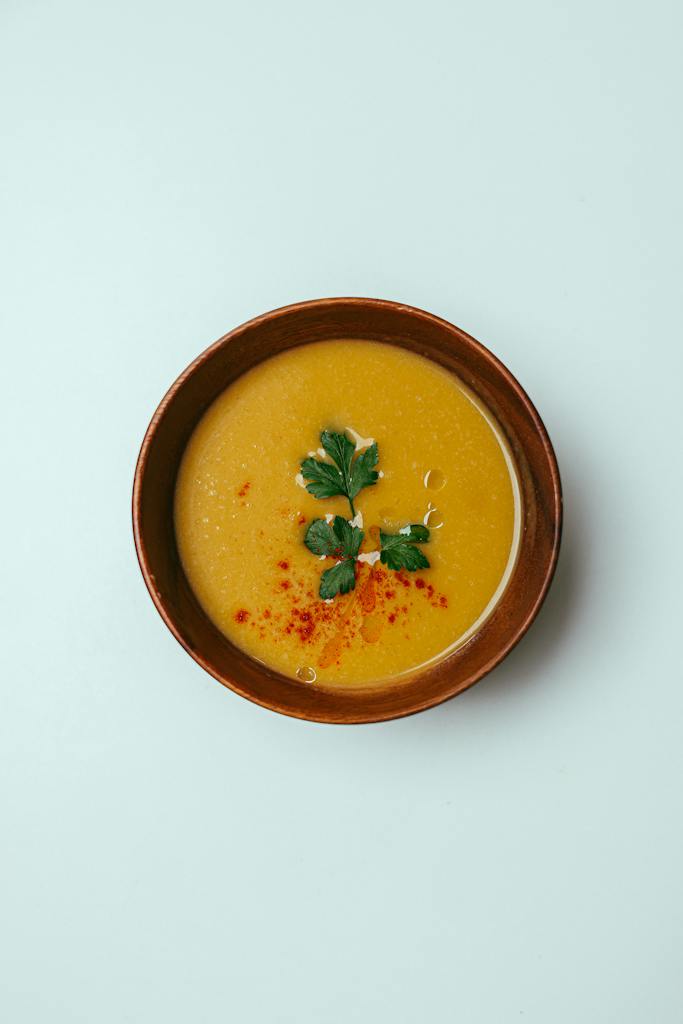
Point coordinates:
[(511, 382)]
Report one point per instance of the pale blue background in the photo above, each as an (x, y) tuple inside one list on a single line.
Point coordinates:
[(170, 852)]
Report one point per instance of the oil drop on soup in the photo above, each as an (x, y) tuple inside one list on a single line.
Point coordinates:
[(407, 568)]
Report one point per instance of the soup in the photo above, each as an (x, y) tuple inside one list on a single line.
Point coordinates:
[(404, 546)]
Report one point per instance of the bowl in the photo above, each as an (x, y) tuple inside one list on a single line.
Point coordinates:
[(318, 320)]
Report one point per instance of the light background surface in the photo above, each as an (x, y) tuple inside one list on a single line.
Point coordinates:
[(170, 852)]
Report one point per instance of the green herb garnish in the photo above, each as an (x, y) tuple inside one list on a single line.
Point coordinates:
[(398, 550), (347, 476), (340, 540)]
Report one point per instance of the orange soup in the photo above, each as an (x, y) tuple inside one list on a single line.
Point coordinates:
[(347, 512)]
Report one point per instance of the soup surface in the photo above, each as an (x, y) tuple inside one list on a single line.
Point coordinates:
[(242, 512)]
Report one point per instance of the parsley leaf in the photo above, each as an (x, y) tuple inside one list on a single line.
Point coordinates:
[(338, 580), (341, 450), (398, 550), (324, 480), (337, 539), (362, 472), (321, 539), (347, 476)]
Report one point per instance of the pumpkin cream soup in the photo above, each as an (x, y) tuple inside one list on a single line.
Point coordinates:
[(347, 512)]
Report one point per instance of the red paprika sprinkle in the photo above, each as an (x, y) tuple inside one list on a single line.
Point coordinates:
[(243, 489), (420, 583), (242, 615), (283, 564)]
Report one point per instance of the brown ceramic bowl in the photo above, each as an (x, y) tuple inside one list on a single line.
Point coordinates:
[(321, 319)]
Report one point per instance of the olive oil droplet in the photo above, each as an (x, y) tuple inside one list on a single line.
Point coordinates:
[(306, 674), (434, 480), (434, 519)]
